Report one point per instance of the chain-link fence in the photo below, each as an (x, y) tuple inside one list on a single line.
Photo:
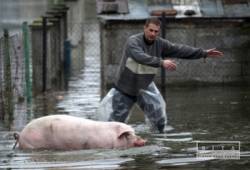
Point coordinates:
[(12, 73), (84, 86), (75, 36), (18, 57), (85, 45)]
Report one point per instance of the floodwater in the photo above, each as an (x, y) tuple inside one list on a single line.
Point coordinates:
[(195, 114)]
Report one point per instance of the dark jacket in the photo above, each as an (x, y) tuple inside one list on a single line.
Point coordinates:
[(140, 61)]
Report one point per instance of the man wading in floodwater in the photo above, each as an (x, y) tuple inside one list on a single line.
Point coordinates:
[(141, 58)]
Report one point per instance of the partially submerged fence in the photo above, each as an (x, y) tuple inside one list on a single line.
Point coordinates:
[(15, 76), (38, 59)]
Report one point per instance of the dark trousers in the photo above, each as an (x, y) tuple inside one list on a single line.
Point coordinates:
[(150, 101)]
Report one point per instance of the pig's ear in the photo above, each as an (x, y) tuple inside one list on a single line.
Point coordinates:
[(125, 131)]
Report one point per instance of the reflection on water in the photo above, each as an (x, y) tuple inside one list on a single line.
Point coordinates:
[(205, 113), (215, 113)]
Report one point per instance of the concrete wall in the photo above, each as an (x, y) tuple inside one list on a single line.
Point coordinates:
[(230, 36)]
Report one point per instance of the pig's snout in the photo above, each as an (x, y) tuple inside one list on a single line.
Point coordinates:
[(139, 142)]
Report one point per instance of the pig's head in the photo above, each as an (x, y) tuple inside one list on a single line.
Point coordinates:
[(127, 138)]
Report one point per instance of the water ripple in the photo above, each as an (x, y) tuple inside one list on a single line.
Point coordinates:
[(182, 161), (93, 164)]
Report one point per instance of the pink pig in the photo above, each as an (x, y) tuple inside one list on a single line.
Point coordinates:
[(67, 133)]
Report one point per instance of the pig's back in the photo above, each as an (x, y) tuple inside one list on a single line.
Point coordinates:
[(54, 131), (64, 131)]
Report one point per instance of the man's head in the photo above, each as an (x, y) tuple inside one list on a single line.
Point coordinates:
[(152, 29)]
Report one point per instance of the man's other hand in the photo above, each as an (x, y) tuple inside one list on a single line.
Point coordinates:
[(169, 65)]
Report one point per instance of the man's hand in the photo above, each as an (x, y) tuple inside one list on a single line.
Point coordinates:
[(213, 53), (169, 65)]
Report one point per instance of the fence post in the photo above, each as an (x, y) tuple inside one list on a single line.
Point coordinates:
[(163, 72), (28, 86), (44, 46), (1, 80), (67, 60), (8, 93)]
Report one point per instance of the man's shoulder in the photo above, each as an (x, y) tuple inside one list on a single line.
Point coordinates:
[(136, 36), (160, 39)]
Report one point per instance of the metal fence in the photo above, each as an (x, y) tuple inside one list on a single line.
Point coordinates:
[(76, 39), (84, 38), (17, 58), (12, 73), (83, 95)]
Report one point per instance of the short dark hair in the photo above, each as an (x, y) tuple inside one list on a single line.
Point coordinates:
[(155, 21)]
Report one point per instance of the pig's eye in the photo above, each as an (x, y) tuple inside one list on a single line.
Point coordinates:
[(130, 136)]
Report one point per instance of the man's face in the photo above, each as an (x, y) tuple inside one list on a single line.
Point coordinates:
[(151, 31)]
